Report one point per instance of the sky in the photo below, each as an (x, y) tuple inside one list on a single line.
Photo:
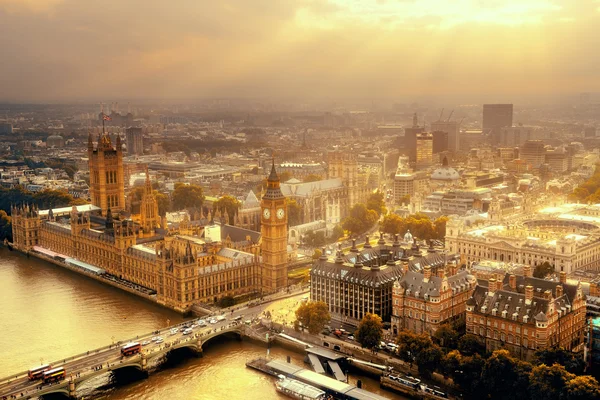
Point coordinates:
[(497, 50)]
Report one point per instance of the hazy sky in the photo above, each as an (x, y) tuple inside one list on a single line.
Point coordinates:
[(62, 50)]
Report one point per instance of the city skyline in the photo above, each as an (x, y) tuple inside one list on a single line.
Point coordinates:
[(63, 50)]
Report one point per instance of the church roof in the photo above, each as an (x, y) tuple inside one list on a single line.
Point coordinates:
[(237, 234), (251, 201), (306, 188)]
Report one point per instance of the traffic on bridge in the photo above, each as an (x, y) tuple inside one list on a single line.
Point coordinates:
[(142, 352)]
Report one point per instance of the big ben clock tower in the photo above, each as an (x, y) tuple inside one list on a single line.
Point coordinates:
[(274, 221)]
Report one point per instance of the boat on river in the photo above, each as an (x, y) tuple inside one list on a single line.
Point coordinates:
[(298, 390)]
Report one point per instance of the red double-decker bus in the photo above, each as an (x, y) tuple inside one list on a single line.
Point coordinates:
[(131, 348), (38, 372), (54, 375)]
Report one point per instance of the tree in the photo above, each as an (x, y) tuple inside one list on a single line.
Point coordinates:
[(337, 232), (572, 362), (52, 198), (164, 204), (466, 373), (316, 254), (439, 227), (360, 219), (187, 196), (229, 204), (429, 360), (376, 202), (392, 224), (404, 199), (548, 382), (505, 377), (370, 331), (226, 301), (446, 336), (5, 226), (582, 387), (295, 213), (543, 269), (470, 345), (315, 239), (312, 178), (313, 315)]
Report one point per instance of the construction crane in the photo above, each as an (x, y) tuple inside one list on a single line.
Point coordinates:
[(442, 113), (450, 116), (461, 120)]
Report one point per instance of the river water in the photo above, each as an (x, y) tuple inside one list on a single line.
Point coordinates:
[(48, 313)]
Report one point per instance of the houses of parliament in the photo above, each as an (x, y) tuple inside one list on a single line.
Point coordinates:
[(177, 268)]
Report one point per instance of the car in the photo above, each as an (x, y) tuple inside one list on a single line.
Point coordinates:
[(213, 321), (159, 340), (155, 338), (146, 343), (350, 337), (193, 326), (187, 331), (201, 322), (173, 332)]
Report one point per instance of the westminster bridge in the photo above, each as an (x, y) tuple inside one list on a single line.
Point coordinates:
[(83, 367)]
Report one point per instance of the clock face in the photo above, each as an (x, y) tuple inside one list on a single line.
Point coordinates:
[(280, 213), (267, 213)]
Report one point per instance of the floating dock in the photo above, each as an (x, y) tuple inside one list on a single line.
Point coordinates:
[(340, 390)]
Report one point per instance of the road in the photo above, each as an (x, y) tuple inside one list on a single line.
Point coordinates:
[(78, 367)]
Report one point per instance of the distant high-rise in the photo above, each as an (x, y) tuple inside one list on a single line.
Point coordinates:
[(440, 141), (6, 128), (410, 139), (424, 150), (533, 152), (135, 141), (452, 128), (495, 117)]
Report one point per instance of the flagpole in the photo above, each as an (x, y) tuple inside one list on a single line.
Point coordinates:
[(103, 124)]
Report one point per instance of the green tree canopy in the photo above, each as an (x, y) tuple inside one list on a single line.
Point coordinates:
[(470, 345), (164, 203), (187, 196), (360, 219), (295, 213), (315, 239), (370, 331), (543, 269), (5, 226), (376, 202), (312, 178), (572, 362), (316, 254), (337, 232), (419, 225), (506, 377), (446, 336), (313, 315), (582, 387), (548, 383)]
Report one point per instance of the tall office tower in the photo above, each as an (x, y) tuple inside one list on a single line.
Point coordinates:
[(410, 139), (495, 117), (274, 236), (440, 141), (424, 150), (533, 152), (452, 128), (107, 189), (135, 141)]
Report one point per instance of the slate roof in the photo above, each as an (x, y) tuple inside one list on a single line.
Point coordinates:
[(417, 286), (251, 201), (237, 234), (375, 265), (514, 302), (306, 188)]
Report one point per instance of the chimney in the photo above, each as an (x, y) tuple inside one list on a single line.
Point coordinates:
[(527, 271), (563, 277), (548, 294), (426, 273), (512, 281), (559, 291), (491, 285), (441, 272), (528, 294)]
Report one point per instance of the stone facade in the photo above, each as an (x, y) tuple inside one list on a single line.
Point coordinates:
[(523, 314), (107, 186)]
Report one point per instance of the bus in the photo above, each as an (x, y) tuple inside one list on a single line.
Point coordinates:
[(54, 375), (38, 372), (131, 348)]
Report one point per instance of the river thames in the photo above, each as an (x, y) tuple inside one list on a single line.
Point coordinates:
[(48, 313)]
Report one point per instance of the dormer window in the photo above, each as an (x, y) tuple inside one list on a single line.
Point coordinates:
[(525, 318), (504, 313)]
